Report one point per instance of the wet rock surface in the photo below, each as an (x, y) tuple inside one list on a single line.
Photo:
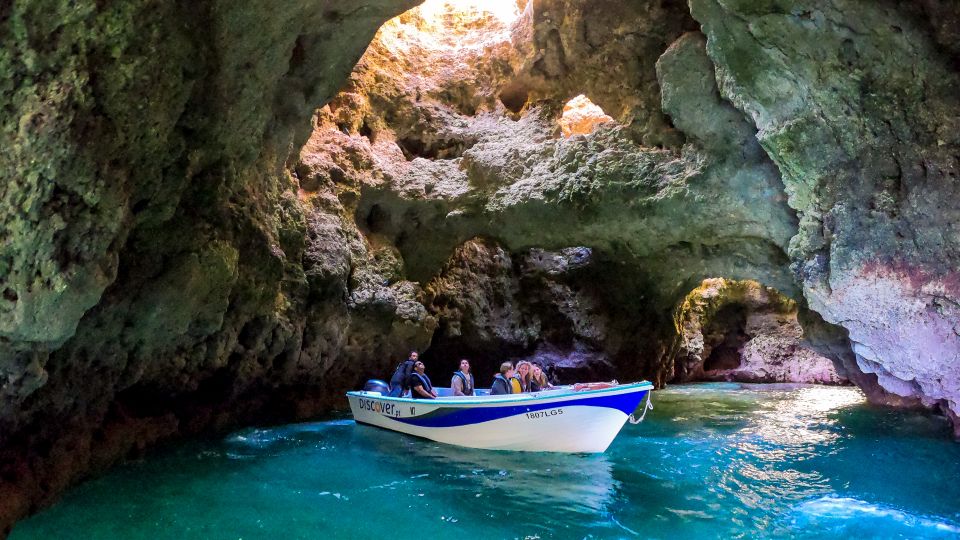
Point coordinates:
[(189, 243)]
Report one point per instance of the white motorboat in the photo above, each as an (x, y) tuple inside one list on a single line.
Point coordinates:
[(563, 419)]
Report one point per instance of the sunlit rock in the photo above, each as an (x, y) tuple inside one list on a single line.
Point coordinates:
[(742, 331), (580, 116)]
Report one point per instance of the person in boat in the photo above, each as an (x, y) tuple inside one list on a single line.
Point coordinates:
[(501, 381), (537, 379), (399, 382), (518, 382), (462, 383), (420, 385)]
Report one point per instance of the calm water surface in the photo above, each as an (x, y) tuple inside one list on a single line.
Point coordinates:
[(711, 461)]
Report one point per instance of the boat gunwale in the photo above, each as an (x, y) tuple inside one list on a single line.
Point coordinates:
[(506, 398)]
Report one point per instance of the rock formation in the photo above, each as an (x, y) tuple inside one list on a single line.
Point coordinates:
[(743, 331), (858, 105), (208, 218), (158, 274)]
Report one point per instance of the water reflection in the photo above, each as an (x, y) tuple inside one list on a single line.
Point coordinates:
[(796, 423), (763, 470), (573, 482)]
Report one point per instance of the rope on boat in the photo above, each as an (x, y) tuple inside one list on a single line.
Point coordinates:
[(647, 407)]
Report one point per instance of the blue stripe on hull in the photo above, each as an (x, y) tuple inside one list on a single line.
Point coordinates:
[(459, 416)]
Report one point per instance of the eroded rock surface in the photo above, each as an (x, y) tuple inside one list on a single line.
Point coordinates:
[(537, 305), (857, 103), (155, 262)]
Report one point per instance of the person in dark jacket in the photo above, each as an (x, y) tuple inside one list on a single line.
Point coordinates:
[(462, 382), (399, 382), (420, 385), (538, 379), (501, 381)]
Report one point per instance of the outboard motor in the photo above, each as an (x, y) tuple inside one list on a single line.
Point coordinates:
[(376, 385)]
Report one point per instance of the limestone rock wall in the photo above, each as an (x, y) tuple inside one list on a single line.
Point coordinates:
[(152, 248), (539, 305), (857, 103)]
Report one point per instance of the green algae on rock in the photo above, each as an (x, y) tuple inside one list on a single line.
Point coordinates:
[(857, 104)]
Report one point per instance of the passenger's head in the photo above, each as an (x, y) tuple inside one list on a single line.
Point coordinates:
[(523, 368), (465, 365), (536, 371), (414, 355), (418, 366), (506, 369)]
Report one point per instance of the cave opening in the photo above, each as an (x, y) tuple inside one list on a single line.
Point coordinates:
[(514, 96), (414, 146), (727, 335), (237, 277), (581, 116), (741, 330)]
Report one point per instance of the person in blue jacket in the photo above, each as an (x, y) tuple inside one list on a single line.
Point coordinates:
[(501, 381)]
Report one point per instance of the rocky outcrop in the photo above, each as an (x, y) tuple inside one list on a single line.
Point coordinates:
[(157, 270), (538, 305), (856, 102), (742, 331)]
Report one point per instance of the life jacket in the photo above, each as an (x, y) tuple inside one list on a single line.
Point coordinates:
[(467, 382), (401, 376), (499, 378), (427, 385), (534, 386), (519, 387)]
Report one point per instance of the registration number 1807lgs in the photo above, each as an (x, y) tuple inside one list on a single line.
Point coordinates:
[(544, 414)]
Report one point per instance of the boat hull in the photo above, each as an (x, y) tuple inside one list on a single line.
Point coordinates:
[(552, 421)]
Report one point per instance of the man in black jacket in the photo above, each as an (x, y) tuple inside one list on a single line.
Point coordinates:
[(420, 385), (400, 381)]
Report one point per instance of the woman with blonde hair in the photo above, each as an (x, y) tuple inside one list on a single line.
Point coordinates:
[(520, 378), (537, 380)]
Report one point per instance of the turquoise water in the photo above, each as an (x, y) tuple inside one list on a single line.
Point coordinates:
[(711, 461)]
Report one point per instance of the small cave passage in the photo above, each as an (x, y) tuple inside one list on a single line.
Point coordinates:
[(514, 97), (725, 335), (718, 322), (377, 219), (581, 116), (414, 147)]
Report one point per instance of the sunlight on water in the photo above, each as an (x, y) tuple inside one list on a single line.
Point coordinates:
[(711, 460)]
